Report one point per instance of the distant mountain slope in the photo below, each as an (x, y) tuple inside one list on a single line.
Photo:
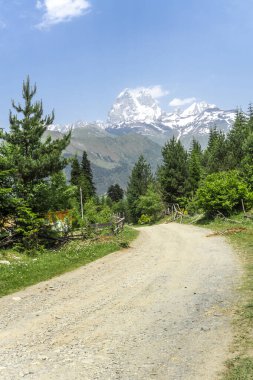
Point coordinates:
[(112, 157), (137, 125)]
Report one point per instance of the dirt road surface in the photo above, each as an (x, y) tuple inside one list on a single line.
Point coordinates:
[(158, 310)]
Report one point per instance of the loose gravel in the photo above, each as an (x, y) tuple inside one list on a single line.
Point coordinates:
[(158, 310)]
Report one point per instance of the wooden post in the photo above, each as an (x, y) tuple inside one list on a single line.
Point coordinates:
[(81, 201), (243, 207)]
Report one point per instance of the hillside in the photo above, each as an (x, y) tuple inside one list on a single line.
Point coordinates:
[(112, 157)]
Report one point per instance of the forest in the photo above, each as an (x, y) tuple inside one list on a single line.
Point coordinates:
[(36, 197)]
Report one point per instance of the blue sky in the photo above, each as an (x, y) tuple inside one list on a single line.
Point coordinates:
[(83, 53)]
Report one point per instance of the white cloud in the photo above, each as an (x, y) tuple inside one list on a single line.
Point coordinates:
[(155, 91), (158, 92), (57, 11), (176, 102)]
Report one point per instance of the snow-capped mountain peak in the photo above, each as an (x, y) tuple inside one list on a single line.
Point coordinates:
[(134, 105), (197, 108)]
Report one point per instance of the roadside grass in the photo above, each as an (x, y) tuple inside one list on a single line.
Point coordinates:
[(25, 270), (241, 366)]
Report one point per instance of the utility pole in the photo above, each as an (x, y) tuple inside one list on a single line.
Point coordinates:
[(81, 200)]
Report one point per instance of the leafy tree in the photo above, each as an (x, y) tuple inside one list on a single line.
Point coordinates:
[(115, 193), (139, 180), (150, 203), (97, 213), (223, 192), (32, 159), (173, 173)]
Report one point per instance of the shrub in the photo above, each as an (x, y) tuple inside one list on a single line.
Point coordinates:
[(145, 219), (223, 192)]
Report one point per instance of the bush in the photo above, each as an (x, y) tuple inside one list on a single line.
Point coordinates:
[(150, 205), (145, 219), (223, 192)]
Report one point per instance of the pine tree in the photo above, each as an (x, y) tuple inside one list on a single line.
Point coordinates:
[(75, 172), (7, 200), (235, 141), (215, 156), (32, 159), (140, 179), (173, 173), (87, 173), (194, 166)]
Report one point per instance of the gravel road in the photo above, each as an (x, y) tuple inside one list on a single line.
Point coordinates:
[(158, 310)]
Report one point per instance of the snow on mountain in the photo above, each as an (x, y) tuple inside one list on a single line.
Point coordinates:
[(138, 112), (135, 110), (134, 106)]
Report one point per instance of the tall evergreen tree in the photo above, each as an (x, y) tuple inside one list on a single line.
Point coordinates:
[(32, 159), (88, 176), (75, 172), (235, 141), (173, 173), (194, 165), (215, 155), (140, 179), (7, 199)]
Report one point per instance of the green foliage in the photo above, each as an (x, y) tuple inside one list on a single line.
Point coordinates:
[(27, 228), (88, 176), (140, 179), (7, 201), (26, 271), (236, 139), (97, 213), (75, 171), (145, 219), (31, 159), (194, 166), (223, 192), (150, 204), (120, 207), (82, 178), (173, 173), (215, 156), (115, 193)]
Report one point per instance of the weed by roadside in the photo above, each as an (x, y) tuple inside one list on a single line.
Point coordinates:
[(239, 232)]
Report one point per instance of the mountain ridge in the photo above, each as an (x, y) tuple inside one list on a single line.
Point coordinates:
[(136, 111)]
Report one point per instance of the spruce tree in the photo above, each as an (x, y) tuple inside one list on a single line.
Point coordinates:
[(88, 176), (32, 159), (75, 172), (7, 199), (173, 173), (216, 153), (140, 179), (194, 166), (235, 141)]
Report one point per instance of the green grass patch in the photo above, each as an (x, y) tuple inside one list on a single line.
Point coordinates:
[(24, 270), (239, 232)]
